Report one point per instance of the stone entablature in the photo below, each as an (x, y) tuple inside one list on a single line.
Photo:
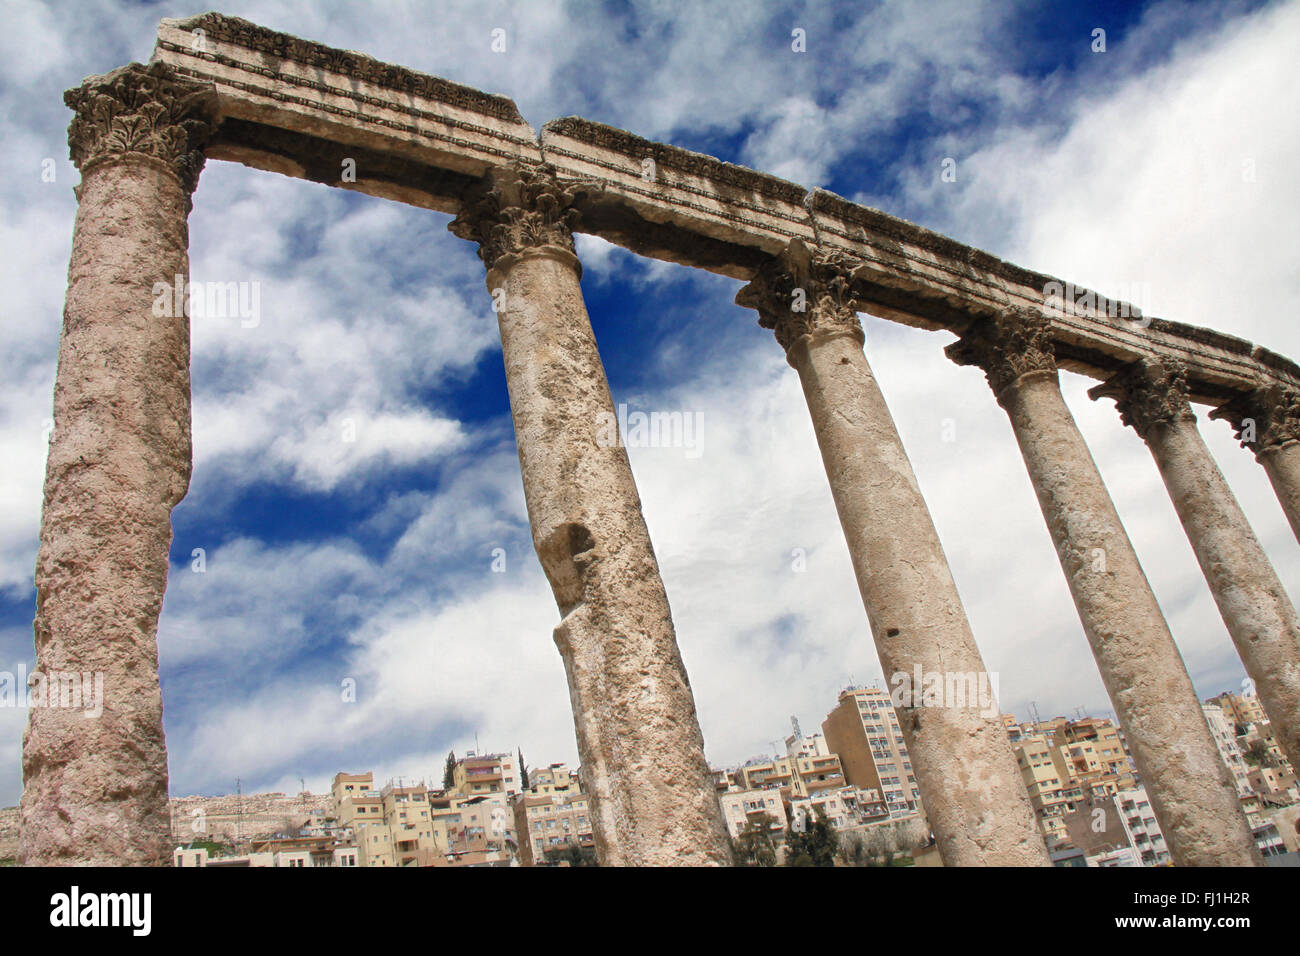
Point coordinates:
[(301, 108)]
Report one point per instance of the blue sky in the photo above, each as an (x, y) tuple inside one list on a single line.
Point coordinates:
[(372, 560)]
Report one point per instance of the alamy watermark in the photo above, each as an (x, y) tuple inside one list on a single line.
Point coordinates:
[(1065, 298), (64, 690), (209, 300), (626, 429), (921, 688)]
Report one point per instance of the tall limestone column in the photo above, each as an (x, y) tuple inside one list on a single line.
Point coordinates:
[(1190, 787), (967, 773), (95, 787), (1152, 398), (1267, 421), (642, 753)]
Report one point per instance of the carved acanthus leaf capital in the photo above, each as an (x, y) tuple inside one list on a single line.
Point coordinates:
[(802, 291), (1007, 347), (514, 208), (1264, 418), (146, 111), (1148, 393)]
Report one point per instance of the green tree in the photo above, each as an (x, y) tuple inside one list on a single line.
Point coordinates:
[(755, 846), (1258, 755), (449, 771), (572, 854), (523, 770), (815, 846)]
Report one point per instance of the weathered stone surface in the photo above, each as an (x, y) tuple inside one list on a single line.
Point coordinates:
[(304, 98), (1152, 398), (642, 754), (10, 828), (971, 786), (672, 203), (300, 108), (119, 461), (231, 818), (1191, 790), (1267, 421)]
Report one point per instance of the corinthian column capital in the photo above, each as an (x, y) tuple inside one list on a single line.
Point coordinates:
[(1264, 418), (142, 111), (1148, 393), (1007, 347), (801, 292), (514, 209)]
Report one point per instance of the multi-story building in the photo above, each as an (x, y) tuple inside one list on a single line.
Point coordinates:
[(407, 816), (393, 826), (1066, 763), (864, 732), (1244, 735), (355, 803), (1240, 709), (551, 815), (1223, 730), (478, 775), (483, 786), (742, 807), (1140, 826)]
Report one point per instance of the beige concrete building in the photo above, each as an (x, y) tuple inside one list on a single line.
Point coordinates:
[(1067, 763), (743, 807), (552, 815), (1223, 729), (482, 774), (863, 731)]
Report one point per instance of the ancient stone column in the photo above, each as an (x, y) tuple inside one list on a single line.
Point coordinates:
[(95, 787), (1152, 398), (1267, 421), (966, 771), (1190, 787), (653, 799)]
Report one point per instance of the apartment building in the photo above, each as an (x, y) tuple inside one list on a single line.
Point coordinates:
[(478, 775), (1140, 826), (1066, 763), (1241, 709), (410, 826), (269, 854), (863, 731), (551, 815), (742, 807), (1223, 730)]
